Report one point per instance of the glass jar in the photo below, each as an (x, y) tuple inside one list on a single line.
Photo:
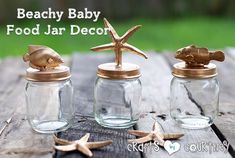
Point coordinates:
[(49, 97), (194, 103), (118, 88), (194, 100), (117, 102)]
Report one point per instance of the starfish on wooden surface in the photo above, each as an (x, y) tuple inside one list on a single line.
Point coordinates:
[(154, 135), (81, 145), (119, 44)]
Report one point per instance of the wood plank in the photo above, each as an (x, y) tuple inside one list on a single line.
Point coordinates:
[(18, 140), (10, 74), (224, 125), (156, 77), (84, 68), (230, 51), (225, 121)]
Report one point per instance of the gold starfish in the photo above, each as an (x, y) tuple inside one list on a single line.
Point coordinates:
[(154, 135), (81, 145), (119, 44)]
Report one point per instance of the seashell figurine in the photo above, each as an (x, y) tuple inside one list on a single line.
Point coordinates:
[(42, 57)]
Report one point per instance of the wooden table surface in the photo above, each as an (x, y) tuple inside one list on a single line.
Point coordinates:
[(18, 140)]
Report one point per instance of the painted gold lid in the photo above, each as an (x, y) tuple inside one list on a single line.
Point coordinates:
[(196, 62), (180, 70), (119, 70), (109, 71), (45, 65), (57, 74)]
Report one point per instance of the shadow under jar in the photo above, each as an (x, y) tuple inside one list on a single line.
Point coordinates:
[(194, 99), (49, 99)]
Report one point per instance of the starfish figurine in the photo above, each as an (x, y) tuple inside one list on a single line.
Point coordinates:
[(154, 135), (119, 44), (81, 145)]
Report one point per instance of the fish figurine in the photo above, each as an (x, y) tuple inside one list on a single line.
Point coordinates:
[(198, 57), (42, 57)]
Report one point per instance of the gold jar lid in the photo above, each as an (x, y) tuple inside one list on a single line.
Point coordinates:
[(180, 70), (45, 65), (196, 62), (57, 74), (119, 70), (110, 71)]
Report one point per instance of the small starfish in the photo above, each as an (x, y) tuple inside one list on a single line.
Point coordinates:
[(81, 145), (154, 135), (119, 44)]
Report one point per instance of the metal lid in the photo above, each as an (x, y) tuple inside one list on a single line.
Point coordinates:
[(119, 70), (196, 62), (110, 71), (57, 74), (180, 70)]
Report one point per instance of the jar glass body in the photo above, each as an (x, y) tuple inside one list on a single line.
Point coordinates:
[(117, 102), (49, 105), (194, 103)]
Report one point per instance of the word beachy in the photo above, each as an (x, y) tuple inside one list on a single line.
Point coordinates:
[(57, 15)]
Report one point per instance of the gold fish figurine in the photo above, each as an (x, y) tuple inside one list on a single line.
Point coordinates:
[(198, 57), (42, 57)]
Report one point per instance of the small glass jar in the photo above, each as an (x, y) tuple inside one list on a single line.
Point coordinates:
[(117, 102), (49, 99), (117, 95), (117, 90), (194, 101)]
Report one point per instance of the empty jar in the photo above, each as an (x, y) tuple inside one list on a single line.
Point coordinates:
[(117, 98), (49, 92), (194, 99), (117, 90)]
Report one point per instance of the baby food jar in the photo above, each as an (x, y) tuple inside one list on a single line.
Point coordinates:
[(117, 95), (49, 95), (194, 99), (118, 88), (117, 92)]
